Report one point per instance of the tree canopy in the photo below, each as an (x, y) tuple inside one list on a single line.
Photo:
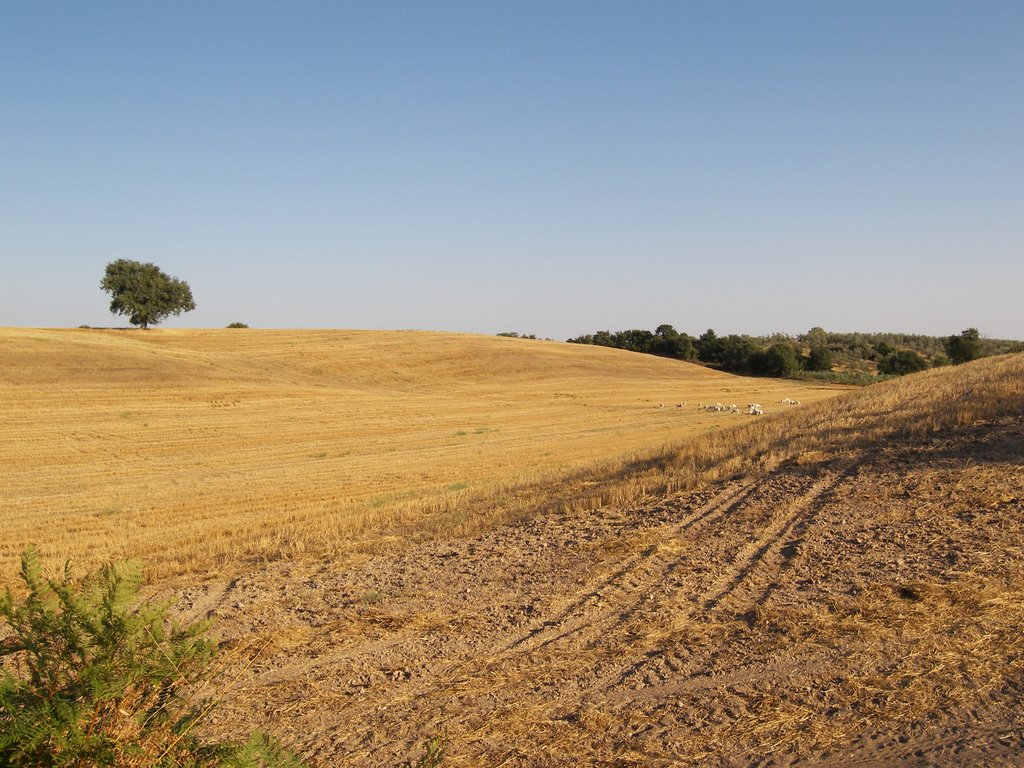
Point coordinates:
[(819, 359), (144, 293), (965, 347), (780, 359), (902, 362), (852, 357)]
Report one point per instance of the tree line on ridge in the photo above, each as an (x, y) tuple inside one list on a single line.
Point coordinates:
[(815, 354)]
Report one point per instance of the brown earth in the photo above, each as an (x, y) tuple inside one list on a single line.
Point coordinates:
[(856, 607)]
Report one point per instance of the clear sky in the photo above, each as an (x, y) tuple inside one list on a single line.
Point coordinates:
[(543, 167)]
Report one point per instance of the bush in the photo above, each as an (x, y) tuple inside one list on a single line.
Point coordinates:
[(901, 363), (780, 359), (92, 676), (237, 325), (965, 347), (820, 359)]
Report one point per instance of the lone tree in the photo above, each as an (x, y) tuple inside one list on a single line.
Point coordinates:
[(144, 292), (965, 347)]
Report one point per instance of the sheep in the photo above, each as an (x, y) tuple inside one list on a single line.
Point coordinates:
[(755, 409)]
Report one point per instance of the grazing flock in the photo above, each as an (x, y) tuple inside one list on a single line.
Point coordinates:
[(753, 409)]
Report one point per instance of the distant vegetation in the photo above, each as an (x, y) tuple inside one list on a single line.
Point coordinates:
[(818, 354), (145, 293), (517, 335), (237, 325)]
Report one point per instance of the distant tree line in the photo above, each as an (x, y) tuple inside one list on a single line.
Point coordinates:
[(817, 353)]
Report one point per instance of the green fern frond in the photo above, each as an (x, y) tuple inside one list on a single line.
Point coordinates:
[(99, 678)]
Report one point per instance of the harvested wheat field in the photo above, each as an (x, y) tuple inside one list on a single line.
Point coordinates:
[(835, 584), (209, 450), (852, 593)]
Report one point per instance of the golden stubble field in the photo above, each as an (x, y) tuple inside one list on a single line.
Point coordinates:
[(197, 450), (841, 584)]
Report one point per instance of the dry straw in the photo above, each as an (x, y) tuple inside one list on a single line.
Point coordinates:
[(209, 450)]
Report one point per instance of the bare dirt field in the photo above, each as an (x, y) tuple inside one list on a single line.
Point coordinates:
[(860, 603)]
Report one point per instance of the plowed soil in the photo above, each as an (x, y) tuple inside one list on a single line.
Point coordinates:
[(863, 607)]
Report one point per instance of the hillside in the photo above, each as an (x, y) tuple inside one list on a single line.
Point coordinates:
[(850, 592), (510, 544), (204, 451)]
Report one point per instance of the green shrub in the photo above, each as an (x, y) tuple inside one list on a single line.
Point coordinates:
[(237, 325), (93, 676), (902, 362), (780, 359), (965, 347), (819, 359)]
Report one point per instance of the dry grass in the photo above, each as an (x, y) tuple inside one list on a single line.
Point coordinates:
[(197, 450), (911, 407), (872, 598)]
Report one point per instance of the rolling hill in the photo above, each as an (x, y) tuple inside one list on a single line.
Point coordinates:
[(511, 545), (851, 594), (206, 450)]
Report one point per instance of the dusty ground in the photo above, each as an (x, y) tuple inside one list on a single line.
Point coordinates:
[(859, 608)]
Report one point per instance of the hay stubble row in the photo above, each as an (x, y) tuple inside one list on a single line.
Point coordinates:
[(197, 449)]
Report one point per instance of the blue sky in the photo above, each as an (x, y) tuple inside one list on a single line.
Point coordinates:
[(544, 167)]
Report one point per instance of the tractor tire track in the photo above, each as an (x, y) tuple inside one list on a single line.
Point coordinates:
[(598, 609), (742, 585)]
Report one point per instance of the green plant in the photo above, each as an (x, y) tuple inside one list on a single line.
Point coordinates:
[(965, 347), (819, 359), (902, 362), (144, 292), (93, 676), (433, 753), (237, 325), (780, 359)]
